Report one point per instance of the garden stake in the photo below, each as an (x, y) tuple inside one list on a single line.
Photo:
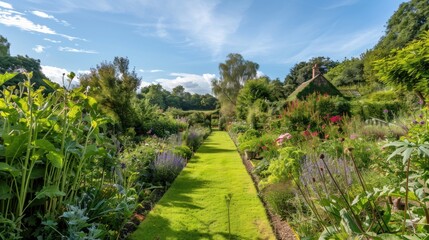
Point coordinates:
[(228, 198)]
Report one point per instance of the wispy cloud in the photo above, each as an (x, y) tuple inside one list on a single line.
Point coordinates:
[(5, 5), (13, 19), (151, 71), (47, 16), (192, 83), (39, 48), (51, 40), (208, 25), (341, 3), (338, 46), (75, 50)]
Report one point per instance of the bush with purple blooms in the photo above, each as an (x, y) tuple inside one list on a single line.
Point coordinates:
[(195, 136), (166, 167)]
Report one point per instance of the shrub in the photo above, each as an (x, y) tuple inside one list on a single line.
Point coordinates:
[(222, 123), (195, 136), (183, 151), (284, 203), (385, 110), (166, 167), (248, 135)]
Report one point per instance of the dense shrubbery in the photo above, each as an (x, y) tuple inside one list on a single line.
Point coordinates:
[(329, 158), (65, 174)]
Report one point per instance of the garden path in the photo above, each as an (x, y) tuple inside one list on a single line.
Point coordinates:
[(195, 208)]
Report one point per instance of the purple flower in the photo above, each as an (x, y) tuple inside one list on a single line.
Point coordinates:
[(421, 102), (385, 111), (415, 121), (422, 122), (353, 136)]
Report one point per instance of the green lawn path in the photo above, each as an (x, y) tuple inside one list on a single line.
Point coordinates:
[(194, 207)]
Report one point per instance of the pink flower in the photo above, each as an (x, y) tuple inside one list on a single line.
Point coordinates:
[(335, 119), (282, 137), (353, 136)]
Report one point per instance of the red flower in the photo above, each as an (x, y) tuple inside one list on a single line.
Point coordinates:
[(335, 119)]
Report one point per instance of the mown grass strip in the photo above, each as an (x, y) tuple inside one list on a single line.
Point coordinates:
[(195, 208)]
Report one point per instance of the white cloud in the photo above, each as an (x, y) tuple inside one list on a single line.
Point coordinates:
[(42, 14), (52, 41), (13, 19), (39, 48), (192, 83), (151, 71), (55, 74), (47, 16), (260, 74), (75, 50), (5, 5)]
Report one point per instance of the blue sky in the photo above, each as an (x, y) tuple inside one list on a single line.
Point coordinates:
[(182, 42)]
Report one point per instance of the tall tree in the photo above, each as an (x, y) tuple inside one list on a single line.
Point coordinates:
[(253, 90), (114, 85), (233, 74), (405, 25), (4, 47), (407, 67)]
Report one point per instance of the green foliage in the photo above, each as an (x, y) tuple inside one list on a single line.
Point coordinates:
[(50, 145), (24, 65), (113, 85), (195, 137), (348, 72), (253, 90), (285, 167), (368, 109), (178, 98), (4, 47), (183, 151), (233, 75), (405, 25), (407, 67), (314, 112)]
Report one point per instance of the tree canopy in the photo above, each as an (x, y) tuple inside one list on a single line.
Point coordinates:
[(407, 67), (348, 72), (233, 74), (113, 85), (409, 21), (178, 98)]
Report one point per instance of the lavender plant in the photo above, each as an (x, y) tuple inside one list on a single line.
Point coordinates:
[(166, 167)]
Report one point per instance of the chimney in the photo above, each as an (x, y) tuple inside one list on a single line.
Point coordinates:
[(315, 70)]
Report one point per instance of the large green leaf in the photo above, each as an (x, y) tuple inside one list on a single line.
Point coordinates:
[(6, 77), (16, 146), (56, 159), (49, 192), (45, 144), (330, 233), (349, 223), (4, 167), (4, 191)]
